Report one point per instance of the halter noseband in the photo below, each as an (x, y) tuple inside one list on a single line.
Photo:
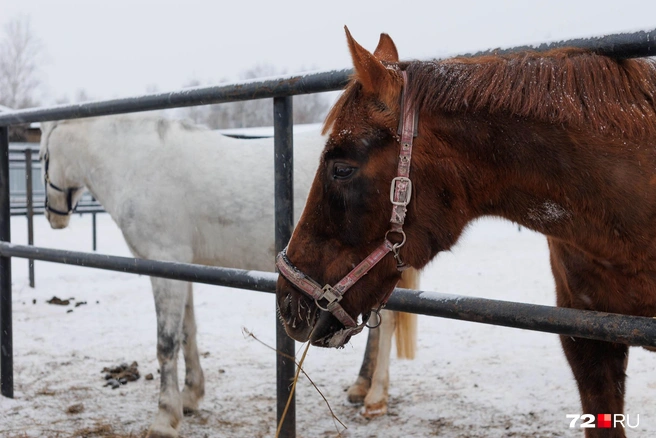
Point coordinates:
[(69, 192), (400, 193)]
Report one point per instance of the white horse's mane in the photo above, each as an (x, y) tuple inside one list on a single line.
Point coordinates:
[(138, 121)]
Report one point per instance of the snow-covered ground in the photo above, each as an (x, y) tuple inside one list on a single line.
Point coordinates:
[(469, 380)]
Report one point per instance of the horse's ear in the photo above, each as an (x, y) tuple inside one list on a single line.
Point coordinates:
[(370, 71), (46, 127), (386, 50)]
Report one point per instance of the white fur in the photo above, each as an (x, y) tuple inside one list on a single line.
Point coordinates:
[(182, 193)]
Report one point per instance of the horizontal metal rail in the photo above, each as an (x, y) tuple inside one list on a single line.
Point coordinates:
[(622, 45), (40, 211), (626, 45), (41, 202), (238, 278), (17, 159), (19, 207), (601, 326), (256, 89), (609, 327)]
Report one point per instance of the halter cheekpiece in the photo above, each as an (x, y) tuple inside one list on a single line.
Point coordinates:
[(69, 192), (400, 194)]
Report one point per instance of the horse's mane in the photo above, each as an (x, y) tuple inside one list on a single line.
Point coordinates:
[(563, 86), (161, 123)]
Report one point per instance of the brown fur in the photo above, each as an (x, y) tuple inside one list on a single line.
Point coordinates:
[(562, 142)]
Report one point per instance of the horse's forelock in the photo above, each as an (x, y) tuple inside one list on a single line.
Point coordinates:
[(349, 94)]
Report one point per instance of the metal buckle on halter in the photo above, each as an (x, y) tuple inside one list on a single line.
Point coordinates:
[(330, 296), (404, 195)]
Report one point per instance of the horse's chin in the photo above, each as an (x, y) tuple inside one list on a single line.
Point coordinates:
[(298, 334), (57, 222), (325, 332), (333, 340), (328, 332)]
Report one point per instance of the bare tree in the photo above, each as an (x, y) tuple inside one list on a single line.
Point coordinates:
[(21, 54), (310, 108), (307, 108)]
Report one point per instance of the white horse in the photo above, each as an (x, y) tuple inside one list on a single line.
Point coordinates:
[(183, 193)]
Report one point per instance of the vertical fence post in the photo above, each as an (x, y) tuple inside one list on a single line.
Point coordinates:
[(6, 342), (93, 231), (93, 227), (30, 209), (284, 207)]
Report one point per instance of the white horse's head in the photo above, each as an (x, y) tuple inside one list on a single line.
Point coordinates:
[(62, 189)]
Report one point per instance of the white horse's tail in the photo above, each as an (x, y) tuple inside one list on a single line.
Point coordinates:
[(406, 323)]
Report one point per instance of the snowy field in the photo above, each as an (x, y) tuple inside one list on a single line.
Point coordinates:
[(469, 380)]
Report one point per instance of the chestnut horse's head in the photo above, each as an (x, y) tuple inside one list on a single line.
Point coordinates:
[(347, 215)]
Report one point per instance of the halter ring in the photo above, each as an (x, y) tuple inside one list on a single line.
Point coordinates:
[(379, 318), (397, 246)]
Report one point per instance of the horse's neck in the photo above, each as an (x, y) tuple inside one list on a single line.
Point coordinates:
[(560, 182), (101, 165)]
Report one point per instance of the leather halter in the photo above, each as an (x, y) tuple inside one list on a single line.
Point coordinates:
[(69, 192), (400, 193)]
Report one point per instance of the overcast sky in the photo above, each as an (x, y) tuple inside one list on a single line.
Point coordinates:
[(113, 48)]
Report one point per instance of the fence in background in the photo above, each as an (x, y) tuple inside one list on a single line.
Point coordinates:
[(27, 194), (594, 325)]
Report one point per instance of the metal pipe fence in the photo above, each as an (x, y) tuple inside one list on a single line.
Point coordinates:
[(594, 325), (6, 330), (283, 151), (29, 209), (609, 327)]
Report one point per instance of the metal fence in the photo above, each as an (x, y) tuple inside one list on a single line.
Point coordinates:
[(593, 325)]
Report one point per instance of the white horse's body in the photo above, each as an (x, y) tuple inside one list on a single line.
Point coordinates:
[(183, 193), (180, 192)]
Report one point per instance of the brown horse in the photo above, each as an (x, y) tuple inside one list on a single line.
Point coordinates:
[(562, 142)]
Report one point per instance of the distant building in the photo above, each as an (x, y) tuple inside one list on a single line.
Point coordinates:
[(30, 134)]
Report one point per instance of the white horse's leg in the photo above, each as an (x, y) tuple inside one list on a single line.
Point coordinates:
[(170, 299), (194, 388), (358, 391), (404, 325), (375, 403)]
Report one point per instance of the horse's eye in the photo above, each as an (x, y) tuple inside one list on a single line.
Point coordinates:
[(342, 171)]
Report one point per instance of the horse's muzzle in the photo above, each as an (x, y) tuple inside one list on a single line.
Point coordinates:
[(304, 321), (297, 314), (57, 222), (328, 332)]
